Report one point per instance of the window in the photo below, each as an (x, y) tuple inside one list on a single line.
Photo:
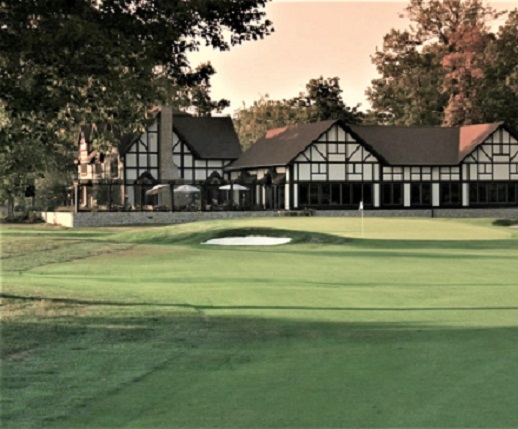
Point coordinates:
[(335, 194), (303, 194), (493, 193), (313, 194), (353, 193), (450, 194), (327, 195), (420, 194), (392, 194)]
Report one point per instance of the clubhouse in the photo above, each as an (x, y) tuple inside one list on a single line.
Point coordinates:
[(327, 165), (332, 165)]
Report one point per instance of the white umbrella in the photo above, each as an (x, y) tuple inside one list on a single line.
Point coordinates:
[(235, 187), (156, 189), (186, 189)]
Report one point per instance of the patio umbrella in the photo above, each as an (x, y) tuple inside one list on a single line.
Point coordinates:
[(186, 189), (235, 187), (156, 189)]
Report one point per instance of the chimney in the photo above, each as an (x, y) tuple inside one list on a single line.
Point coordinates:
[(167, 170)]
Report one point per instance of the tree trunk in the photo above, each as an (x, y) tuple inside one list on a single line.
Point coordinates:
[(10, 208)]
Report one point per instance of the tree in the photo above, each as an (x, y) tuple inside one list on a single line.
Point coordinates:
[(66, 63), (198, 93), (253, 122), (434, 72), (321, 101), (499, 94)]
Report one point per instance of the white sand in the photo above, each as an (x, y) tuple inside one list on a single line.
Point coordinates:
[(248, 241)]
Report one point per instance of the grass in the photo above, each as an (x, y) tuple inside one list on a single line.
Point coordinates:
[(413, 325)]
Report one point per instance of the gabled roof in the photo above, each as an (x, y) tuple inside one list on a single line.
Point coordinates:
[(412, 145), (401, 146), (281, 145), (126, 141), (424, 145), (472, 136), (209, 138)]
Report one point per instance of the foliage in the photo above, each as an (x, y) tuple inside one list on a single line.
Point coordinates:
[(51, 190), (66, 63), (442, 69), (253, 122), (499, 95), (197, 93), (321, 101)]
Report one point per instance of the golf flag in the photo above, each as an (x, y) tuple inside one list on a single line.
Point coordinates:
[(361, 206)]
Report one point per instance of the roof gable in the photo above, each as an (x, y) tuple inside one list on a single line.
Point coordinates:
[(281, 145), (208, 138), (407, 146), (472, 136), (412, 145)]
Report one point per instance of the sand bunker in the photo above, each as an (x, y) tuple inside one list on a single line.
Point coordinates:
[(248, 241)]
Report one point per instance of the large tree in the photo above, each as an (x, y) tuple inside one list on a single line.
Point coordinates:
[(322, 100), (436, 72), (65, 63), (499, 94)]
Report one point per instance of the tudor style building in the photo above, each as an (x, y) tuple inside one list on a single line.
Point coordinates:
[(183, 149), (331, 165)]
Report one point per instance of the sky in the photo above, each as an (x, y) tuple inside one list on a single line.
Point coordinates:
[(312, 38)]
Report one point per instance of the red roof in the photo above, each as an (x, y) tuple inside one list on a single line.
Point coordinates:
[(472, 136)]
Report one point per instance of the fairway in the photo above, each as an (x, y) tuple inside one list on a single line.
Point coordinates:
[(413, 323)]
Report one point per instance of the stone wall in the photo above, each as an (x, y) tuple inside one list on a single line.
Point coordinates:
[(88, 219), (510, 213)]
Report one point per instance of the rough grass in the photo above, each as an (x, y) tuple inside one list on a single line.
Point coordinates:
[(415, 325)]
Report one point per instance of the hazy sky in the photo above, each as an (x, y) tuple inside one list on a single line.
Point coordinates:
[(311, 39)]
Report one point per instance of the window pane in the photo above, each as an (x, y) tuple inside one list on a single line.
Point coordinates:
[(455, 193), (415, 194), (357, 193), (387, 194), (346, 194), (367, 194), (313, 194), (325, 197), (502, 192), (511, 193), (444, 189), (473, 194), (482, 193), (335, 194), (426, 194), (303, 194), (492, 193), (398, 194)]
